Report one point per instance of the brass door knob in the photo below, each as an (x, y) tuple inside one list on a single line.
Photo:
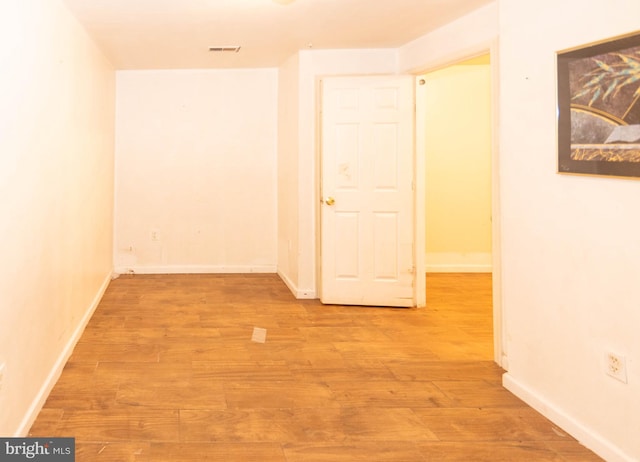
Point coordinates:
[(330, 201)]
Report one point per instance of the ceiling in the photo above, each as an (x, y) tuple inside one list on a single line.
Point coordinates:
[(174, 34)]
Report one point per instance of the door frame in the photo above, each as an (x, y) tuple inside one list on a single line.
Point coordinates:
[(490, 48), (499, 317)]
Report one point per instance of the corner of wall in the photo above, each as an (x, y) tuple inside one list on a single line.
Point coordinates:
[(53, 376), (586, 436), (300, 294)]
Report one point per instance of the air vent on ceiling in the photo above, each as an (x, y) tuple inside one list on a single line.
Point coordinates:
[(234, 49)]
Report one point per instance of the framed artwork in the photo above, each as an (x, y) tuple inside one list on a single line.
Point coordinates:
[(599, 108)]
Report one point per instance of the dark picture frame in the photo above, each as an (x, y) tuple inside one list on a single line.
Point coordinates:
[(599, 108)]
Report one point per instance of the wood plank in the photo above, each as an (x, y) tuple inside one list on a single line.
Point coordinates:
[(354, 452), (121, 424), (262, 425), (488, 452), (198, 452), (260, 394), (388, 394), (110, 451), (489, 424)]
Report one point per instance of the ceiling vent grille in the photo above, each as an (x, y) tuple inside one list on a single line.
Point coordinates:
[(233, 49)]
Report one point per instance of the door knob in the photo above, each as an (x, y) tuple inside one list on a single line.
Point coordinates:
[(330, 201)]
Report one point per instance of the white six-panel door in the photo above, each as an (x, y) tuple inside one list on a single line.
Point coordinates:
[(367, 152)]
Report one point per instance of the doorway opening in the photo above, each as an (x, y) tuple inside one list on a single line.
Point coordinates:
[(483, 262), (455, 124)]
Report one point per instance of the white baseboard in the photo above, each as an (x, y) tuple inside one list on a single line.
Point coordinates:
[(458, 262), (300, 294), (583, 434), (195, 269), (54, 374)]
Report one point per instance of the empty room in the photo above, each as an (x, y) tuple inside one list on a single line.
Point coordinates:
[(278, 230)]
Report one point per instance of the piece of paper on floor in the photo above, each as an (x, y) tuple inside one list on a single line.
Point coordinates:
[(259, 335)]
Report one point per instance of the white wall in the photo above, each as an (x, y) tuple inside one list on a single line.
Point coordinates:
[(288, 179), (467, 36), (571, 252), (457, 106), (56, 185), (298, 154), (196, 171)]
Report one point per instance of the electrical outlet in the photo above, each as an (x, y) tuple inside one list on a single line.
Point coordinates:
[(155, 235), (616, 366)]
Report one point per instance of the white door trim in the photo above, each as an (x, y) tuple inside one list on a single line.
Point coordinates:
[(499, 324)]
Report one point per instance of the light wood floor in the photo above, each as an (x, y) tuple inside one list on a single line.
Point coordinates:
[(167, 371)]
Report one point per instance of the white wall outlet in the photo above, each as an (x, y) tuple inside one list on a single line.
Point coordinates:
[(155, 235), (2, 368), (616, 366)]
